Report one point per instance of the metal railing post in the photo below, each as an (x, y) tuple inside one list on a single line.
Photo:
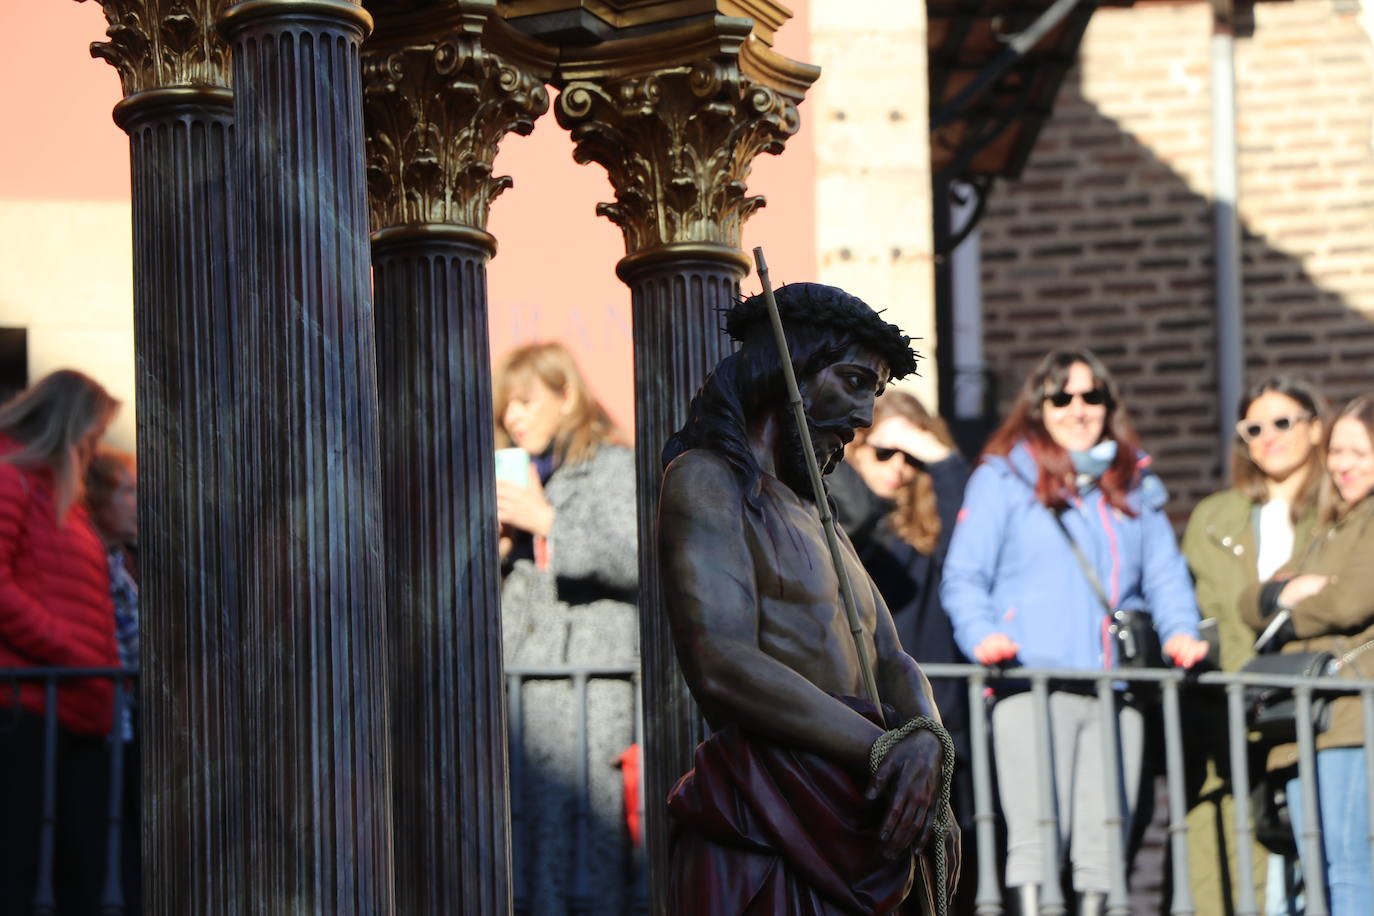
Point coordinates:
[(580, 902), (112, 896), (1178, 809), (1114, 790), (44, 900), (1240, 786), (1051, 894), (1313, 869), (515, 728), (988, 901), (639, 861)]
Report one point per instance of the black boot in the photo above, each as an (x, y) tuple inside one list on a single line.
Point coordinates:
[(1023, 900), (1092, 903)]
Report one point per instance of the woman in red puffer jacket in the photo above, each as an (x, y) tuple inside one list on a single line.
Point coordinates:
[(55, 611)]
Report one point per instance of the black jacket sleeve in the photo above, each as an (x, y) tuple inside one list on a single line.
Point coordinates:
[(948, 477)]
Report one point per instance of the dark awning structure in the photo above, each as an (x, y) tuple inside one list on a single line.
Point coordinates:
[(995, 69)]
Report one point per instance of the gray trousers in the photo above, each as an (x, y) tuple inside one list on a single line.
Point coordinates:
[(1080, 781)]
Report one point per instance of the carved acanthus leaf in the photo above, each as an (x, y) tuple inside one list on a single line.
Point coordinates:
[(157, 44), (678, 145), (435, 116)]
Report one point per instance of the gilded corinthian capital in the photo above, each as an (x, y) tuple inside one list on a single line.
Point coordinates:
[(159, 44), (436, 109), (678, 140)]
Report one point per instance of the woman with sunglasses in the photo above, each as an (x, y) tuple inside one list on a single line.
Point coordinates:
[(1327, 595), (1236, 539), (1064, 479), (897, 494)]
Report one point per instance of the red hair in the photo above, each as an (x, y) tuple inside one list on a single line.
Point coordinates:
[(1054, 486)]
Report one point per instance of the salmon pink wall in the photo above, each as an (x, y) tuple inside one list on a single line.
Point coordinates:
[(60, 142)]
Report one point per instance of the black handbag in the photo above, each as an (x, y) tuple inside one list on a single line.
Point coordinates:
[(1269, 811), (1272, 711), (1137, 640), (1133, 632)]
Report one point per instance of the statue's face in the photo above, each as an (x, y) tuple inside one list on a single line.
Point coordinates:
[(838, 400)]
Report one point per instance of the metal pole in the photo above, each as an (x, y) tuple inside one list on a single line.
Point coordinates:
[(1230, 340), (44, 901), (1051, 894), (1240, 786), (1118, 898), (639, 859), (988, 901), (1313, 869), (112, 896), (581, 899), (1178, 812), (851, 608), (515, 725)]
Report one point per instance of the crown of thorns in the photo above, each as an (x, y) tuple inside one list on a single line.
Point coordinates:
[(832, 307)]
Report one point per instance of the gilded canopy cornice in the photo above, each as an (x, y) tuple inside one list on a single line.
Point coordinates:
[(160, 44), (676, 119), (436, 104)]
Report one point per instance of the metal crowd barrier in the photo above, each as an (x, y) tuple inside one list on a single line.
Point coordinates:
[(112, 894), (580, 900), (979, 679)]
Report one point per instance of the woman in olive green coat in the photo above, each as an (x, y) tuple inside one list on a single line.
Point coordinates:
[(1329, 594), (1236, 539)]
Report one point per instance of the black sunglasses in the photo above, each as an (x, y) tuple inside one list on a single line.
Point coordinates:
[(1093, 398), (885, 455)]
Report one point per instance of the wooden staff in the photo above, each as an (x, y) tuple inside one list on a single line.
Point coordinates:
[(851, 609)]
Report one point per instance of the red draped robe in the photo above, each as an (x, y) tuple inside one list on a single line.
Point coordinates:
[(765, 830)]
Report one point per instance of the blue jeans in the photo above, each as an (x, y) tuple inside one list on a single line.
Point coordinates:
[(1343, 804)]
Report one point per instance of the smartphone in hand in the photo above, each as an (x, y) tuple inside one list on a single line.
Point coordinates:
[(513, 466)]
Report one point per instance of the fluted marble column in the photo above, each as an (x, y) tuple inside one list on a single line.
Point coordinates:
[(438, 103), (677, 295), (177, 112), (449, 736), (677, 141), (315, 755)]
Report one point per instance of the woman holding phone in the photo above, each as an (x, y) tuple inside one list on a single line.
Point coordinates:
[(569, 545)]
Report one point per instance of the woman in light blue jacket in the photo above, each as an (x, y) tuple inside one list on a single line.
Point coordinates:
[(1016, 593)]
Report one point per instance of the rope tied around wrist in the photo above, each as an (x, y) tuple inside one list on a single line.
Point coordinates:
[(944, 821)]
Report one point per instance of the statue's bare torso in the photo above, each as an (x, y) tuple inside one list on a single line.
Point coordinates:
[(802, 621)]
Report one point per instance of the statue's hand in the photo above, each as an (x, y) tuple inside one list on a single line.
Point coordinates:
[(954, 855), (909, 777)]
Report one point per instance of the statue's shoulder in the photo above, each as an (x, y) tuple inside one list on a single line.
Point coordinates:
[(701, 467), (701, 464)]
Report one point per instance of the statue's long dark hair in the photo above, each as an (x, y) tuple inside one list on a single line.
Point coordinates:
[(746, 384)]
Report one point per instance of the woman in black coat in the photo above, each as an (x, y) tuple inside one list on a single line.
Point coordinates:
[(897, 495)]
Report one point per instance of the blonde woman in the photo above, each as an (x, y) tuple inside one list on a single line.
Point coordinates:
[(570, 558), (55, 611), (1328, 593)]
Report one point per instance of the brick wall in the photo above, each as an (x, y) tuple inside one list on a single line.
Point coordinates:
[(1306, 100), (1105, 241)]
